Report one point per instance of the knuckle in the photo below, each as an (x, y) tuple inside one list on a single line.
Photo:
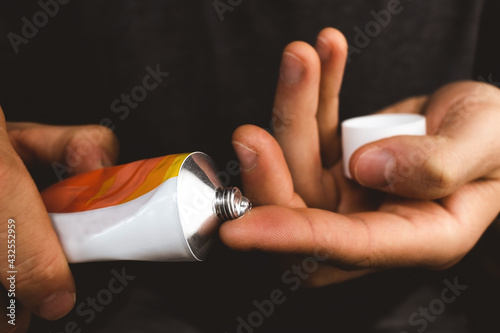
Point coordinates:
[(445, 260), (38, 272), (105, 131), (9, 164), (439, 175), (93, 135), (11, 168), (9, 159), (108, 136)]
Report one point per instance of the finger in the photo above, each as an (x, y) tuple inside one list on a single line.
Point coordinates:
[(80, 148), (265, 175), (433, 166), (365, 240), (331, 46), (44, 283), (409, 105), (294, 116)]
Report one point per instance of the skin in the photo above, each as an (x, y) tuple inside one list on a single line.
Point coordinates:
[(429, 211), (44, 283)]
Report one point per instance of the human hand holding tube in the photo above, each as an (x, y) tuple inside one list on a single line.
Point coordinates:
[(43, 282), (429, 217)]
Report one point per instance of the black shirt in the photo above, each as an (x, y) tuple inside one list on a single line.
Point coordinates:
[(222, 60)]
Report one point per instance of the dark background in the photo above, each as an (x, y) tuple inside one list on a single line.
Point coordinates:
[(222, 75)]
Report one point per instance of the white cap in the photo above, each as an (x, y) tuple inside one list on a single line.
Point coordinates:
[(357, 132)]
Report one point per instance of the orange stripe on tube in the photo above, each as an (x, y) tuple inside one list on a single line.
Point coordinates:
[(110, 186)]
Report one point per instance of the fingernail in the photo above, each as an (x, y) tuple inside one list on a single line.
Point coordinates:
[(292, 68), (57, 305), (374, 168), (247, 156), (323, 49)]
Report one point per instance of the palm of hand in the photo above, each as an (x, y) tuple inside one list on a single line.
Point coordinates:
[(428, 214)]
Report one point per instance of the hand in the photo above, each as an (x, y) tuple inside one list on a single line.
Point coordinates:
[(431, 197), (43, 283)]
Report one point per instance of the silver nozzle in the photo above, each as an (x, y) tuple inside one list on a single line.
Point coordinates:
[(230, 203)]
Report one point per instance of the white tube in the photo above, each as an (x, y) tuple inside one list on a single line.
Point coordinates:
[(173, 221)]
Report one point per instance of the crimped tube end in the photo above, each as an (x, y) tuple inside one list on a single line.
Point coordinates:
[(230, 204)]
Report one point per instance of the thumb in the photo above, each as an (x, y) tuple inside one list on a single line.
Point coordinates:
[(426, 167), (79, 148), (463, 120), (417, 167), (33, 269)]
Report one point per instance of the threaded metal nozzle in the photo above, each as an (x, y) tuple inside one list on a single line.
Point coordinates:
[(230, 203)]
